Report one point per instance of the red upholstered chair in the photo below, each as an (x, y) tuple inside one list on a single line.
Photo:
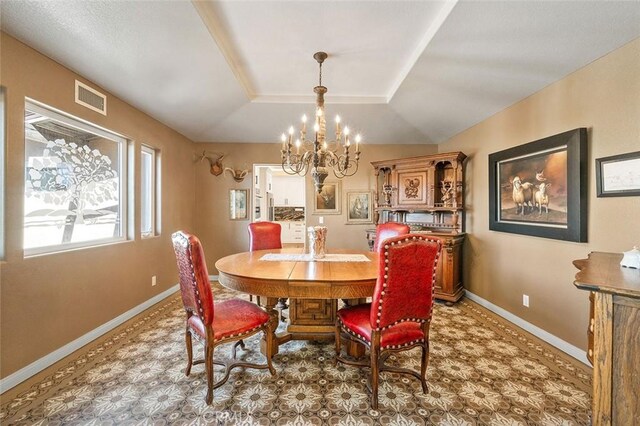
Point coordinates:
[(406, 278), (388, 230), (214, 324), (264, 236)]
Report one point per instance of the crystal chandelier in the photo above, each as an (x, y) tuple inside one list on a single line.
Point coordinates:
[(319, 154)]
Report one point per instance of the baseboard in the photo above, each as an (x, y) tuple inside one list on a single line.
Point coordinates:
[(55, 356), (565, 347)]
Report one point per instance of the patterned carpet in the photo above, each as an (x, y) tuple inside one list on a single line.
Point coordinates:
[(483, 371)]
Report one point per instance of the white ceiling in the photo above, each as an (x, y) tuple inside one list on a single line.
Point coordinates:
[(398, 71)]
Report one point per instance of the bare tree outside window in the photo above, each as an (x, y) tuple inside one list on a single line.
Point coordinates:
[(73, 183), (73, 176)]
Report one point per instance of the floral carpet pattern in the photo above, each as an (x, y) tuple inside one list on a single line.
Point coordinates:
[(482, 371)]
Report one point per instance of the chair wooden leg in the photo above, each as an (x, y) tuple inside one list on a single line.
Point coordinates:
[(187, 338), (337, 345), (208, 363), (423, 367), (235, 347), (375, 368), (425, 357)]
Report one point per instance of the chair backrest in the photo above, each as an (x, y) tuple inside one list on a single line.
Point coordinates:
[(406, 279), (194, 277), (389, 230), (264, 236)]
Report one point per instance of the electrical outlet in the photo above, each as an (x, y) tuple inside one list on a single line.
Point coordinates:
[(153, 281), (321, 220), (525, 300)]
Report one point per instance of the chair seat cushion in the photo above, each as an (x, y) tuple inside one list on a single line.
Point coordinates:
[(355, 319), (231, 318)]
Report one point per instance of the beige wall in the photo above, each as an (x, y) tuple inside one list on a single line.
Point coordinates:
[(50, 300), (604, 97), (221, 236)]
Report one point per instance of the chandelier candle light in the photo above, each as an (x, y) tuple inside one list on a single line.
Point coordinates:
[(320, 155)]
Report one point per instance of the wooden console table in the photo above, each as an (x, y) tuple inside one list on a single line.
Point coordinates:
[(614, 337)]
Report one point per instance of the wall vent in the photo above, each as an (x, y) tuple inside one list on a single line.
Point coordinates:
[(91, 98)]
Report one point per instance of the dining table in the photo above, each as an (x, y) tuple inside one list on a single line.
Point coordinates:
[(313, 287)]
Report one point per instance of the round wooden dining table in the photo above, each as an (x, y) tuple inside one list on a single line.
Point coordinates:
[(312, 287)]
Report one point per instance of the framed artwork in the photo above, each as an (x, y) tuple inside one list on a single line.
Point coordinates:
[(539, 188), (328, 201), (239, 204), (619, 175), (359, 207)]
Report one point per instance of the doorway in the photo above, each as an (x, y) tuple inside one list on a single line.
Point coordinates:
[(280, 198)]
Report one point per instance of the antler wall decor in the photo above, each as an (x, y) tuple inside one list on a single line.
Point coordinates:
[(237, 174), (215, 163), (216, 167)]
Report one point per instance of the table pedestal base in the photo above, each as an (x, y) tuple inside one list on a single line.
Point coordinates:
[(309, 319)]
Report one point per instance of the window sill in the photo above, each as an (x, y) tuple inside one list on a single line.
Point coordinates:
[(33, 253)]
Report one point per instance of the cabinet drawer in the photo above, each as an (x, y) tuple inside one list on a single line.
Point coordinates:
[(293, 232)]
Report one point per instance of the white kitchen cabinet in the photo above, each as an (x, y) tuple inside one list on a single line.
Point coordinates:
[(292, 232), (259, 183), (288, 190), (269, 181)]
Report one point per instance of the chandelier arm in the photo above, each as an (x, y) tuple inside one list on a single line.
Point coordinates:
[(292, 162), (306, 158), (290, 168), (345, 166), (307, 142), (333, 158)]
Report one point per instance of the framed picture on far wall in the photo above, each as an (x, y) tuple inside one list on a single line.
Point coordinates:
[(328, 200), (239, 204), (540, 188), (359, 207), (619, 175)]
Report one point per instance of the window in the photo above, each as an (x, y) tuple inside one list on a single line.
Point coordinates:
[(149, 183), (75, 182)]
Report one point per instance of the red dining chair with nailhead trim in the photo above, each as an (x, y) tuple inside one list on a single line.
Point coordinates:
[(389, 230), (266, 236), (214, 324), (406, 278)]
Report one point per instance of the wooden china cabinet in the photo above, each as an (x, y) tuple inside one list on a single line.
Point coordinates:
[(426, 193)]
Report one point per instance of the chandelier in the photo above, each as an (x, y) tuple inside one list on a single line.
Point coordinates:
[(319, 155)]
